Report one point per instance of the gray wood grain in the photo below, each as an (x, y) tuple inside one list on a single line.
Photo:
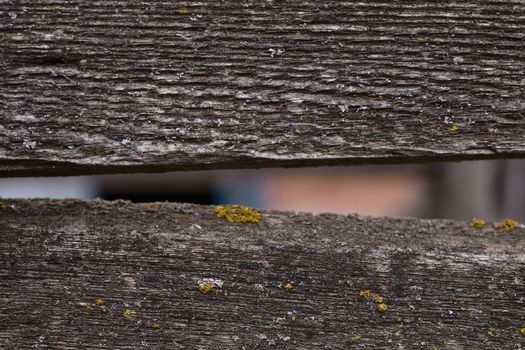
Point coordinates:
[(56, 257), (122, 86)]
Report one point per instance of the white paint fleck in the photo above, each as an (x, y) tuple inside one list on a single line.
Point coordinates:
[(12, 15), (283, 337), (457, 60), (126, 141), (274, 52), (448, 120), (343, 108), (27, 118), (334, 140), (280, 320), (130, 281), (28, 144), (214, 281)]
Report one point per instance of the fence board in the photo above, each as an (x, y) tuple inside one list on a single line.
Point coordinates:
[(125, 86), (58, 257)]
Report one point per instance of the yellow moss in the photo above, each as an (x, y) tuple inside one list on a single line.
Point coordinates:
[(454, 128), (206, 288), (478, 223), (3, 205), (238, 213), (293, 317), (381, 98), (435, 348), (261, 335), (382, 307), (88, 308), (420, 40), (155, 325), (183, 12), (6, 36), (462, 307), (508, 224), (379, 299), (491, 333), (396, 334), (367, 293), (522, 330), (100, 302), (358, 338), (288, 286), (127, 314), (147, 204), (301, 117), (444, 341)]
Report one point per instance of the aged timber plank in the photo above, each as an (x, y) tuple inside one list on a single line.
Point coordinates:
[(108, 86), (290, 281)]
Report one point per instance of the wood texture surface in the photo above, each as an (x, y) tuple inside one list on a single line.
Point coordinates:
[(108, 86), (58, 257)]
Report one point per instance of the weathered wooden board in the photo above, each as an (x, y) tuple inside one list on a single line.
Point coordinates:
[(57, 257), (108, 86)]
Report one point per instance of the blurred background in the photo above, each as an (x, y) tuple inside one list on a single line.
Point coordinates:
[(490, 190)]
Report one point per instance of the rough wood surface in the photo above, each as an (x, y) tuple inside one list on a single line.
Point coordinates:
[(58, 257), (106, 86)]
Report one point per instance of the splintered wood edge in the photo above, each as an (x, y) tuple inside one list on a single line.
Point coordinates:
[(40, 168)]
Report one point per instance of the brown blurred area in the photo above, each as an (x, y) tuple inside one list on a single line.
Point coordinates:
[(369, 191), (490, 190)]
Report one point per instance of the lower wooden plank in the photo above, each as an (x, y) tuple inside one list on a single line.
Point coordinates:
[(116, 275)]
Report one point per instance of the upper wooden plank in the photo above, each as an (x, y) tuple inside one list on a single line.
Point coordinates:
[(100, 86)]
